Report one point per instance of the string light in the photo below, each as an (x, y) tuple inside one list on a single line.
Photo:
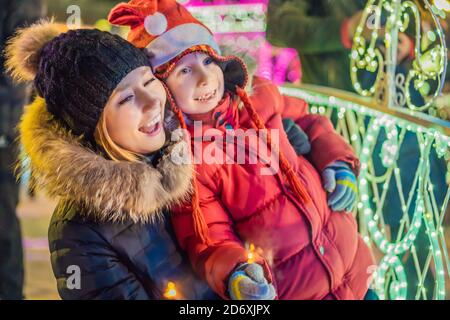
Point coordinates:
[(393, 249), (442, 4), (428, 65), (231, 18)]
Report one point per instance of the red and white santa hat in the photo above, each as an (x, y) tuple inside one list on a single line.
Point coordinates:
[(167, 30)]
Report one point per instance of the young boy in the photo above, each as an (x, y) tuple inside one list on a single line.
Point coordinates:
[(306, 249)]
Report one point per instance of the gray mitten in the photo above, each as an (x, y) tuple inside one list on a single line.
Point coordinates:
[(297, 137)]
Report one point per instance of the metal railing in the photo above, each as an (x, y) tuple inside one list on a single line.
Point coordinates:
[(403, 190)]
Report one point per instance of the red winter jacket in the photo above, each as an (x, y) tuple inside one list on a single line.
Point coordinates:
[(308, 251)]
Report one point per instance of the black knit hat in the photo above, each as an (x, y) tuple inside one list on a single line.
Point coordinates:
[(78, 71)]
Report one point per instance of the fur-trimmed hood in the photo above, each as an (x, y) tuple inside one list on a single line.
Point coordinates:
[(109, 190)]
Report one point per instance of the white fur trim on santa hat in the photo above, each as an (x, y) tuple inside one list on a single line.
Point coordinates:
[(176, 40), (155, 24)]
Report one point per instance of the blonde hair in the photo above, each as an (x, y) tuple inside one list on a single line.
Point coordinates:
[(114, 151)]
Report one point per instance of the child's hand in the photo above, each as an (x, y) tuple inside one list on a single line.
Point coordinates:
[(297, 137), (340, 181), (247, 282)]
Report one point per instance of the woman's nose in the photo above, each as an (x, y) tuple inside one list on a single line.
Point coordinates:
[(150, 105), (147, 100)]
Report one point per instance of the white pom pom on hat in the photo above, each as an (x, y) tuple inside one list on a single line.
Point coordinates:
[(155, 24)]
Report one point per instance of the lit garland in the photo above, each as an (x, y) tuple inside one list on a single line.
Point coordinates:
[(231, 18), (429, 63), (391, 250), (442, 4), (370, 219), (427, 66)]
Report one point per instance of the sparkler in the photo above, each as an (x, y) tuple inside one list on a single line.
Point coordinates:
[(171, 291)]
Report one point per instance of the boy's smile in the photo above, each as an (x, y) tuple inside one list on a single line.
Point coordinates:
[(207, 97), (197, 83)]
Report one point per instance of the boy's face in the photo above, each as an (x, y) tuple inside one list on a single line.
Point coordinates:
[(197, 83)]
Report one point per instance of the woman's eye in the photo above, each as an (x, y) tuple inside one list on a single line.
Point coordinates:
[(149, 81), (127, 99)]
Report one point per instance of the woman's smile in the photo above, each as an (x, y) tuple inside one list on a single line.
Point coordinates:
[(152, 127)]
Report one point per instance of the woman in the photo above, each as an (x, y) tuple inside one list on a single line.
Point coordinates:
[(96, 137)]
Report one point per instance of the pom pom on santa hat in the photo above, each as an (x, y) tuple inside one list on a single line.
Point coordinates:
[(164, 27)]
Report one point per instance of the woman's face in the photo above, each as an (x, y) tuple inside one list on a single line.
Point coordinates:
[(134, 113)]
